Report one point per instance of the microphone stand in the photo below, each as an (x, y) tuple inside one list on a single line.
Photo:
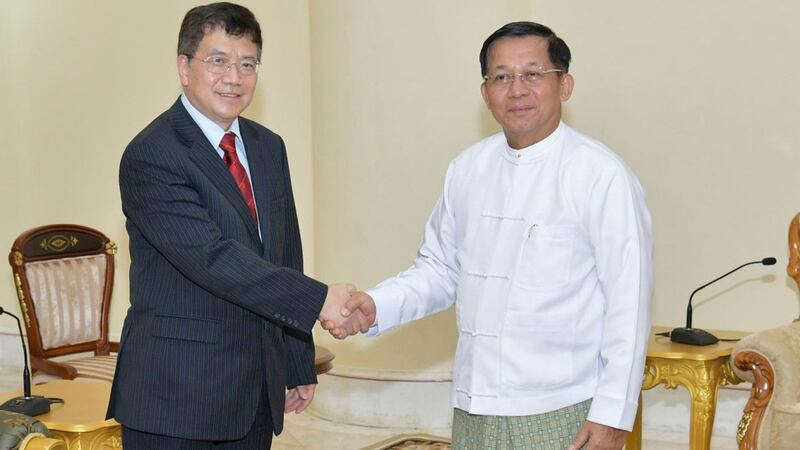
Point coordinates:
[(696, 336), (27, 404)]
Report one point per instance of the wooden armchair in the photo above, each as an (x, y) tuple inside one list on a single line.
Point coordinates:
[(771, 361), (64, 275)]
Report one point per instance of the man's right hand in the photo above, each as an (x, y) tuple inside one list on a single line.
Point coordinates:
[(359, 312), (338, 295)]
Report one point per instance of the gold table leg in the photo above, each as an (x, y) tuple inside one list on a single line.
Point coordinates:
[(701, 379), (703, 390), (634, 439)]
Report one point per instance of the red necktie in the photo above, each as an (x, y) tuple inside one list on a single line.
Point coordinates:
[(228, 145)]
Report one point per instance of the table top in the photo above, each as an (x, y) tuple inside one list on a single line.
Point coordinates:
[(84, 407), (662, 347)]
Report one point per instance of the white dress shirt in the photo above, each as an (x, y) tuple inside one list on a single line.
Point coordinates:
[(214, 134), (547, 253)]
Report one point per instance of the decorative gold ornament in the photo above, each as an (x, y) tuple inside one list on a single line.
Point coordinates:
[(114, 441), (111, 248), (107, 438), (58, 243), (18, 258), (744, 423), (21, 298)]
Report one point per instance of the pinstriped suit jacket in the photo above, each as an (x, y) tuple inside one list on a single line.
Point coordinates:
[(214, 312)]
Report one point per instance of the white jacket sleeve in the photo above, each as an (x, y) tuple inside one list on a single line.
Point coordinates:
[(621, 233)]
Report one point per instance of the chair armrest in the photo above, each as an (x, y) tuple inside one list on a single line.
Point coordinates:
[(58, 369), (771, 361), (780, 347), (754, 367)]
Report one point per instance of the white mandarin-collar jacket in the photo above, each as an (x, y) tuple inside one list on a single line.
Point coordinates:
[(547, 253)]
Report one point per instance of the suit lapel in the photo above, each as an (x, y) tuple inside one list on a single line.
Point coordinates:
[(209, 162), (260, 164)]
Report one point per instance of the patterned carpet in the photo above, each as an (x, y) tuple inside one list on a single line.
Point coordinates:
[(412, 442)]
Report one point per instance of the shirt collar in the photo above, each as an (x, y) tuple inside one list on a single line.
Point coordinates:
[(536, 151), (211, 130)]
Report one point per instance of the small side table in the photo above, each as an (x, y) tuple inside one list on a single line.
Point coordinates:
[(700, 369), (81, 420)]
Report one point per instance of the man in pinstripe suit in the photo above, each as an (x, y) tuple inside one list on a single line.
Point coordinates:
[(221, 313)]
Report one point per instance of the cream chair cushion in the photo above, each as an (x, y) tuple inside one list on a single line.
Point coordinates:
[(68, 295)]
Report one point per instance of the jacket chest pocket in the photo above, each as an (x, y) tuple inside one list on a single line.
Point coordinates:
[(546, 256)]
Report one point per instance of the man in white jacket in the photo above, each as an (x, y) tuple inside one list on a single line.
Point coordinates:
[(543, 240)]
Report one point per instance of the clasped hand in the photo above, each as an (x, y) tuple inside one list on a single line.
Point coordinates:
[(346, 311)]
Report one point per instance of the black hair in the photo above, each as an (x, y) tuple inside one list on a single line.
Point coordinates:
[(557, 49), (236, 20)]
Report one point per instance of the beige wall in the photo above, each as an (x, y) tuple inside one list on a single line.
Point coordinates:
[(700, 98), (81, 78)]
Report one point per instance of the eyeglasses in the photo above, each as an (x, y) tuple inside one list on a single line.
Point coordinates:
[(531, 77), (221, 64)]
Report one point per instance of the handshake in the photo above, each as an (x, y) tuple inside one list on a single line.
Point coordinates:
[(346, 311)]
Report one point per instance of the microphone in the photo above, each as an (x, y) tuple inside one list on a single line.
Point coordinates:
[(696, 336), (27, 404)]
